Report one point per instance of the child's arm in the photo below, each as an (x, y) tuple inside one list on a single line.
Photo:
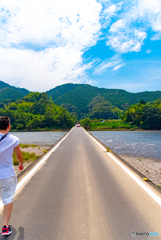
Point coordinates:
[(19, 157)]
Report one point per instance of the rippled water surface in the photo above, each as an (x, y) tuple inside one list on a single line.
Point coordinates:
[(144, 143), (39, 138)]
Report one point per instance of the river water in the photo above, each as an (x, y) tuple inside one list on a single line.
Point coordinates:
[(39, 138), (136, 143)]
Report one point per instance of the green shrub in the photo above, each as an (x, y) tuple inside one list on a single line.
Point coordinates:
[(23, 145), (108, 149), (27, 157)]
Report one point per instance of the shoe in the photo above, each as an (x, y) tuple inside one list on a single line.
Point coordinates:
[(6, 230)]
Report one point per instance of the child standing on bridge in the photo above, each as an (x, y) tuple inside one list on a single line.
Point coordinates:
[(8, 179)]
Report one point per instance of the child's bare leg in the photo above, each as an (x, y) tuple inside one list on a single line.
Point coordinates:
[(7, 213)]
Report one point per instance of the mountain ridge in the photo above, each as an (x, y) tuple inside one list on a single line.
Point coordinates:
[(77, 98), (80, 95), (11, 93)]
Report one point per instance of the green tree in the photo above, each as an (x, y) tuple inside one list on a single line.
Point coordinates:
[(142, 101), (35, 111), (151, 118), (20, 126), (147, 116), (35, 123), (38, 108), (12, 106), (86, 123), (101, 108)]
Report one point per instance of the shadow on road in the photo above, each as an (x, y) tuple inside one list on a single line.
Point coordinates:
[(16, 235)]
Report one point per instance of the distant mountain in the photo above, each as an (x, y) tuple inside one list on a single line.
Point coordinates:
[(10, 93), (3, 85), (61, 90), (83, 100), (80, 96)]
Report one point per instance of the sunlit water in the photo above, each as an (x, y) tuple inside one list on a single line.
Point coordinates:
[(143, 143), (39, 138)]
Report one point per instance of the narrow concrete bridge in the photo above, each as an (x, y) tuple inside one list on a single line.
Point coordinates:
[(81, 192)]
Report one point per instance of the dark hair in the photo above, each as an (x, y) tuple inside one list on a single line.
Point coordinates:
[(4, 122)]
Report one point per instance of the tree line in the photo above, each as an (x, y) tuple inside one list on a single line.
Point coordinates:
[(144, 115), (35, 112), (141, 115), (79, 98)]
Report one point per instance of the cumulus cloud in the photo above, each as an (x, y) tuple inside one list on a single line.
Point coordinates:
[(109, 10), (128, 33), (50, 22), (42, 70), (44, 42), (126, 42)]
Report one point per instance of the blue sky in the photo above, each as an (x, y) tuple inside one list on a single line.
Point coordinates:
[(105, 43)]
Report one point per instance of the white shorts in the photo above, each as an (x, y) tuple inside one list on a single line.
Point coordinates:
[(7, 189)]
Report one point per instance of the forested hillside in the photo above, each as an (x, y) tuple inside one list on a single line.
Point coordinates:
[(145, 115), (61, 90), (79, 96), (83, 100), (10, 93), (36, 111), (101, 108)]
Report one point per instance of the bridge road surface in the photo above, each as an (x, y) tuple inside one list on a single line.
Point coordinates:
[(80, 193)]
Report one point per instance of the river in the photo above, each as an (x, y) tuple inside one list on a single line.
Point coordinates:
[(136, 143), (39, 138)]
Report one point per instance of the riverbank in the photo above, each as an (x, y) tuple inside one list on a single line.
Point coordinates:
[(112, 125), (37, 150), (150, 167), (117, 129)]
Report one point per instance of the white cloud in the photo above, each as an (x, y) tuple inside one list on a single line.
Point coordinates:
[(111, 10), (151, 12), (115, 62), (61, 30), (156, 36), (123, 42), (128, 33), (41, 70), (148, 51), (104, 1), (44, 41), (120, 24), (50, 21), (118, 67)]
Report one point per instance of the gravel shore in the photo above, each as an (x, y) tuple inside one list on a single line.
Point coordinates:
[(37, 150), (150, 167)]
